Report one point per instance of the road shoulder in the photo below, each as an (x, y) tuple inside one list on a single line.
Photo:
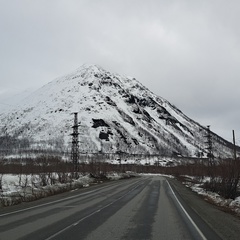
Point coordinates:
[(224, 224)]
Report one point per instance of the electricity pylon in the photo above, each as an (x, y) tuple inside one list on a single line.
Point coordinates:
[(75, 145), (209, 146)]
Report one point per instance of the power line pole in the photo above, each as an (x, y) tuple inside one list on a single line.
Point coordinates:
[(234, 146), (209, 145), (75, 146)]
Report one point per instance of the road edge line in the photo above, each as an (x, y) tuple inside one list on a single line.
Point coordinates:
[(185, 212), (53, 202), (91, 214)]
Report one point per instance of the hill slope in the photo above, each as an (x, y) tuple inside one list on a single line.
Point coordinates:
[(116, 113)]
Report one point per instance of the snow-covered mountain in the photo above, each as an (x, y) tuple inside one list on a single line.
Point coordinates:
[(115, 113)]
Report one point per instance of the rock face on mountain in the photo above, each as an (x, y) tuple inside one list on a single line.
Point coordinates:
[(116, 114)]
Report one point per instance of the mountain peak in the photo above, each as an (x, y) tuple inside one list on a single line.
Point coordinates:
[(89, 67), (117, 113)]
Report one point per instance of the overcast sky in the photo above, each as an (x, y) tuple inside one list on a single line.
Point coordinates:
[(186, 51)]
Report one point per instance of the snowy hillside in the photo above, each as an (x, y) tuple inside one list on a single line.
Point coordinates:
[(115, 113)]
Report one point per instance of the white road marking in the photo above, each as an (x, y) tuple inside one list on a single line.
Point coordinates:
[(45, 204), (185, 212), (53, 202), (91, 214)]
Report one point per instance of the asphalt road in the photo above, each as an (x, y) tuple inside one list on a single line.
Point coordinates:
[(139, 208)]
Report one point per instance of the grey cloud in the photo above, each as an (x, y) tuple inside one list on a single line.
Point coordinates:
[(185, 51)]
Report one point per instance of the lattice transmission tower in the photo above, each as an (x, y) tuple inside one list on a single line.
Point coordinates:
[(75, 145), (209, 146)]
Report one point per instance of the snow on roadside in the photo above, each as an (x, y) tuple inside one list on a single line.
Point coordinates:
[(232, 204), (16, 188)]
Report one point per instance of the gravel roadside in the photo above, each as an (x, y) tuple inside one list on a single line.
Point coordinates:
[(226, 225)]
